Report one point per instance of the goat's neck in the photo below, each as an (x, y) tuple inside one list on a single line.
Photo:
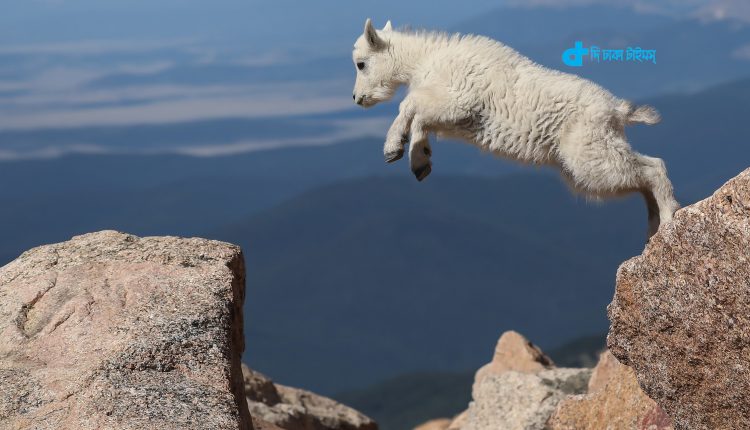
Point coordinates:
[(409, 50)]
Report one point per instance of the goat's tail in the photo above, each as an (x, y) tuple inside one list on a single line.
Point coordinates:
[(638, 114)]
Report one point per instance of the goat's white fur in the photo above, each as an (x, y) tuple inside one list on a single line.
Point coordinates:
[(476, 89)]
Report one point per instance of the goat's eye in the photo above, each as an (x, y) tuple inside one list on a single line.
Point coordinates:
[(360, 65)]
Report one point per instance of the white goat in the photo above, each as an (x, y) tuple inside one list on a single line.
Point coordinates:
[(481, 91)]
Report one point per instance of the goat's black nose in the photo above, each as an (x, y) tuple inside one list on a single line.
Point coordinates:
[(354, 97)]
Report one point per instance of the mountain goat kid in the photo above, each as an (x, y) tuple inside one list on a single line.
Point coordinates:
[(481, 91)]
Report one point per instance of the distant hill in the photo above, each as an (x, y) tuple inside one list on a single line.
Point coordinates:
[(402, 276), (264, 199), (49, 200), (405, 401), (504, 248)]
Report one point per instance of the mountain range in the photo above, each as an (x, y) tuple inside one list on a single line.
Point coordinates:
[(358, 273)]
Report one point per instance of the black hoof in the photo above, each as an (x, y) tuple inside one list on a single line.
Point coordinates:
[(422, 172), (390, 157)]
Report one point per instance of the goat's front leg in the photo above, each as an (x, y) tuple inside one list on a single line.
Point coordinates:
[(398, 134), (419, 150)]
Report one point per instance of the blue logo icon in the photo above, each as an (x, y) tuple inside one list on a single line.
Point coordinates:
[(574, 56)]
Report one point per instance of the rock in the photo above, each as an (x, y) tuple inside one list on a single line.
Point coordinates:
[(296, 409), (521, 401), (259, 388), (608, 371), (112, 331), (614, 401), (437, 424), (680, 314), (519, 389), (259, 424), (515, 352), (458, 421)]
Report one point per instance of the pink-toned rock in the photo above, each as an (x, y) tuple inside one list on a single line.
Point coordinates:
[(112, 331), (515, 352), (681, 312), (458, 421), (614, 401), (608, 370), (436, 424)]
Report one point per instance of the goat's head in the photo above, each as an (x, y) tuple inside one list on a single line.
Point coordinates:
[(376, 67)]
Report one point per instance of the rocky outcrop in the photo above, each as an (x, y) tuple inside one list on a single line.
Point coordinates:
[(514, 352), (519, 389), (680, 316), (522, 401), (112, 331), (295, 409), (109, 330), (614, 401)]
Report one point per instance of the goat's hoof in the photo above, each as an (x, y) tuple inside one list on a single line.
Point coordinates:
[(422, 172), (392, 156)]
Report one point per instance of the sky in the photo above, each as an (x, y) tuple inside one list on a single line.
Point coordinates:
[(87, 63), (256, 25), (261, 25)]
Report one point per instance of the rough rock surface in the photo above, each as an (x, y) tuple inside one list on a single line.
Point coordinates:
[(437, 424), (112, 331), (259, 388), (680, 317), (515, 352), (522, 401), (614, 402), (296, 409), (519, 389)]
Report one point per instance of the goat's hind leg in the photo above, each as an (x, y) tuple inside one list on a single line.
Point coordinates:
[(653, 211), (657, 187), (607, 166)]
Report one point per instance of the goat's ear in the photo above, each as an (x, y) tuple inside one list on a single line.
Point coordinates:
[(388, 26), (371, 35)]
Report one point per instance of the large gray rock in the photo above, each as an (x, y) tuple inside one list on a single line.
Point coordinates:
[(518, 389), (681, 313), (295, 409), (112, 331), (521, 401)]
